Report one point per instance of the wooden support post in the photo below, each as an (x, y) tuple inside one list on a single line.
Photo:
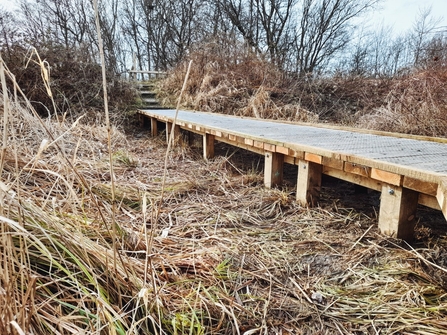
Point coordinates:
[(441, 196), (208, 146), (141, 120), (273, 169), (176, 136), (397, 215), (309, 183), (168, 131), (154, 127)]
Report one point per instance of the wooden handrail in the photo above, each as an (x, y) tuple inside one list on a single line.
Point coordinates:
[(147, 72), (134, 74)]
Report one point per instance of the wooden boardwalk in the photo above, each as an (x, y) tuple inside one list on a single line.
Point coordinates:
[(407, 170)]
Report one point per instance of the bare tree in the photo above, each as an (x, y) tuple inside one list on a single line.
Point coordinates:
[(325, 29), (423, 28), (275, 17), (9, 32), (265, 25)]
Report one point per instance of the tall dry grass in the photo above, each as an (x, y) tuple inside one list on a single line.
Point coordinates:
[(227, 256), (414, 104), (228, 78)]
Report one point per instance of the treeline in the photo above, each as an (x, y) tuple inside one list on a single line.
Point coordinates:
[(299, 37)]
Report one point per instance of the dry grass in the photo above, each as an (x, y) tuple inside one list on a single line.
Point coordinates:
[(227, 255), (228, 78), (416, 104)]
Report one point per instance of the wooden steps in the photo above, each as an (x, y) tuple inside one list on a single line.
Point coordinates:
[(148, 95)]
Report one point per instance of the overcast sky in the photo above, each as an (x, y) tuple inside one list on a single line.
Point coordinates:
[(400, 14)]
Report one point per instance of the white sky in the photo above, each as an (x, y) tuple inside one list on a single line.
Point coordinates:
[(401, 14)]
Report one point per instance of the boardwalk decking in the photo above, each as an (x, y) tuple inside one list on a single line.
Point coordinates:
[(407, 170)]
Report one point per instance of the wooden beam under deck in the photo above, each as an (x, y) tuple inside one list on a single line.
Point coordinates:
[(402, 187)]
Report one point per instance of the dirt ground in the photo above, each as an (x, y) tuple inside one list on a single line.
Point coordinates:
[(293, 270)]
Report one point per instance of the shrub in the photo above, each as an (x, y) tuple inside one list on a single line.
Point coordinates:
[(74, 82)]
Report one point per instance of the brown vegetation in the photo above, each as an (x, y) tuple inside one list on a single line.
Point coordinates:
[(232, 80), (228, 78), (414, 104), (225, 256), (60, 80)]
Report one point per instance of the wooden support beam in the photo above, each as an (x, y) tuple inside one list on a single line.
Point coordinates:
[(168, 131), (353, 178), (429, 201), (308, 183), (387, 177), (273, 169), (177, 134), (357, 169), (420, 186), (208, 146), (397, 215), (441, 196), (154, 127), (313, 158)]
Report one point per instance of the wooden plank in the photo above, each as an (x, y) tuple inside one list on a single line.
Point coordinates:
[(420, 186), (241, 145), (273, 169), (290, 160), (429, 201), (353, 178), (297, 154), (387, 177), (216, 133), (249, 141), (308, 183), (333, 163), (269, 147), (397, 215), (208, 146), (258, 144), (154, 127), (313, 158), (361, 170), (282, 150), (232, 137), (240, 139), (441, 196)]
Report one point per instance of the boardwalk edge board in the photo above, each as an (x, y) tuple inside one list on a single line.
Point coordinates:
[(402, 185)]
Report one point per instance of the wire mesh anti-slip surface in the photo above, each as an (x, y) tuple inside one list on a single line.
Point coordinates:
[(421, 155)]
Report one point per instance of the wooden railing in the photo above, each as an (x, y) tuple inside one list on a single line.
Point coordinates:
[(140, 75)]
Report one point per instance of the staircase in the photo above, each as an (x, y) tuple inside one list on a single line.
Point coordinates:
[(148, 95)]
